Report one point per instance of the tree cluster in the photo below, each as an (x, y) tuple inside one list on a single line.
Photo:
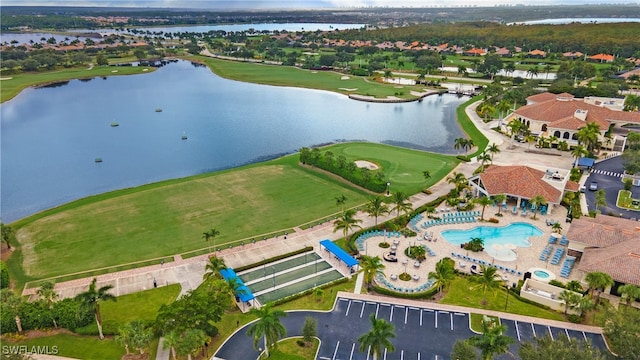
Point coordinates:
[(371, 180)]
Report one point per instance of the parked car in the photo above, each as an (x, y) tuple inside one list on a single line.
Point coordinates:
[(583, 188), (593, 186)]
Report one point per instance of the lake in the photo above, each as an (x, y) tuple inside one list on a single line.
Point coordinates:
[(51, 136)]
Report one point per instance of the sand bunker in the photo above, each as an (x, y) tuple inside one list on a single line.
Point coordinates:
[(366, 164), (348, 89), (6, 78), (344, 78)]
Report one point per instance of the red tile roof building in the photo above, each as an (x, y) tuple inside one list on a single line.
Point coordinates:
[(607, 244)]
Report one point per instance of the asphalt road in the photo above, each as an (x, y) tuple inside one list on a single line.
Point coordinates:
[(421, 333), (608, 175)]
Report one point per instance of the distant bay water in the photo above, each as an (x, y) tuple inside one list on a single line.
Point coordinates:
[(51, 136)]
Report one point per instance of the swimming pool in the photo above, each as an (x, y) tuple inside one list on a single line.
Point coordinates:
[(499, 242)]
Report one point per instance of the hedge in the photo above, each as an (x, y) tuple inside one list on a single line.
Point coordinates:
[(428, 294)]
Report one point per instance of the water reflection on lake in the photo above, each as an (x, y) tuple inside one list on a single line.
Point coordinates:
[(51, 136)]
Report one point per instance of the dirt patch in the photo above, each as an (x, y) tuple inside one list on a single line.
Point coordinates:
[(144, 356), (366, 164), (33, 334)]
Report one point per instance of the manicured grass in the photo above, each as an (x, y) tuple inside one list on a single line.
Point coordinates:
[(18, 82), (625, 201), (289, 350), (291, 76), (463, 293), (74, 346), (166, 218), (402, 166), (143, 305), (476, 321), (469, 128)]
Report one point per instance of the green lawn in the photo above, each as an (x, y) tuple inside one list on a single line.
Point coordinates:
[(143, 305), (11, 87), (463, 293), (291, 76), (289, 350), (625, 201), (74, 346), (169, 218)]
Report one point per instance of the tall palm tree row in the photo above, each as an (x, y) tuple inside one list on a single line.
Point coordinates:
[(91, 300), (211, 235), (268, 327), (378, 338)]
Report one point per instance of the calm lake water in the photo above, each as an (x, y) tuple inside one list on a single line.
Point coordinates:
[(51, 136)]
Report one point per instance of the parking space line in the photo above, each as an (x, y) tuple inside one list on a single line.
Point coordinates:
[(451, 316), (406, 314), (377, 308), (368, 352), (436, 317), (550, 333), (401, 354), (391, 314), (567, 332), (335, 352), (348, 307), (585, 336), (460, 314), (517, 331), (353, 347), (385, 354), (534, 330), (420, 317), (362, 310), (418, 356)]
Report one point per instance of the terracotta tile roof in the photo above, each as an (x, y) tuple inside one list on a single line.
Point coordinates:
[(547, 96), (631, 72), (573, 54), (520, 181), (603, 231), (558, 108), (572, 186), (602, 57), (537, 52), (474, 52), (621, 261)]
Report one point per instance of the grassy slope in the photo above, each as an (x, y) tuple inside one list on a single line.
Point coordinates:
[(169, 218), (18, 82), (78, 347), (290, 76)]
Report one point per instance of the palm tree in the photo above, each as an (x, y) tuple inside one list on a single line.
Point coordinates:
[(547, 70), (484, 201), (378, 338), (268, 326), (630, 293), (460, 143), (49, 296), (492, 149), (492, 341), (377, 207), (211, 235), (401, 203), (578, 152), (347, 222), (537, 201), (488, 279), (486, 110), (427, 175), (500, 199), (484, 158), (14, 304), (557, 227), (459, 180), (515, 127), (533, 71), (213, 267), (91, 299), (589, 135), (370, 267), (340, 201), (469, 146), (503, 107), (575, 286), (444, 273), (598, 280), (571, 300), (529, 139)]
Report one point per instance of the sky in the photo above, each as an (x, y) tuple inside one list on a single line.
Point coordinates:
[(299, 4)]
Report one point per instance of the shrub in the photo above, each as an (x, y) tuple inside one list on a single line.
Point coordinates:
[(384, 245), (4, 276), (574, 318), (300, 342), (404, 277), (463, 158), (427, 191), (493, 220), (628, 183), (557, 283)]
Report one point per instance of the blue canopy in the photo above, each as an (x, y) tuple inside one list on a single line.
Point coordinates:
[(339, 253), (244, 293), (586, 162)]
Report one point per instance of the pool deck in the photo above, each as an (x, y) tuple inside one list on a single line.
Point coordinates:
[(526, 257)]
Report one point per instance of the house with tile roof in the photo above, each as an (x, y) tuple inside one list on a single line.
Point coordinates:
[(607, 244), (522, 183), (601, 58), (474, 52), (562, 115), (538, 54)]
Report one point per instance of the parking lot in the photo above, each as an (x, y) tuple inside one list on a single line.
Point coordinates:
[(421, 332), (608, 175)]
